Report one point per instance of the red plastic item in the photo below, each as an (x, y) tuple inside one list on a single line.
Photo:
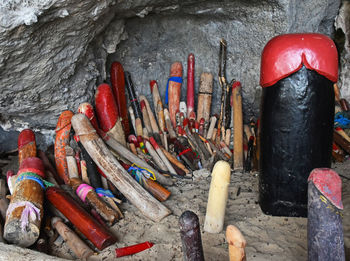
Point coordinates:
[(285, 54), (118, 88), (130, 250), (90, 228), (328, 183), (106, 108)]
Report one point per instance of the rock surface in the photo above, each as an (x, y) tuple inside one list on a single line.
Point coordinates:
[(53, 53)]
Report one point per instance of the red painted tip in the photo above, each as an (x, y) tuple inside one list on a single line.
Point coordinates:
[(9, 174), (32, 164), (76, 138), (106, 108), (251, 138), (236, 84), (245, 147), (201, 121), (101, 172), (185, 122), (154, 143), (142, 104), (196, 125), (124, 165), (338, 129), (64, 120), (176, 69), (25, 137), (132, 138), (152, 84), (329, 184), (190, 57), (88, 110), (139, 139)]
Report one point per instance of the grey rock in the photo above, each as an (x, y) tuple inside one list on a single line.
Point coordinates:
[(53, 53)]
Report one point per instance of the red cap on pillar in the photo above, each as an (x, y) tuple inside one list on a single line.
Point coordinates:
[(285, 54)]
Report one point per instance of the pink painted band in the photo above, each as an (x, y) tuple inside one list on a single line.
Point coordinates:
[(83, 190)]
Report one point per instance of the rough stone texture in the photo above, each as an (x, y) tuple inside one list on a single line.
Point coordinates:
[(53, 52), (343, 24), (47, 62), (162, 37)]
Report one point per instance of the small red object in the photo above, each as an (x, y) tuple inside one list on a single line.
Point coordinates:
[(286, 54), (130, 250)]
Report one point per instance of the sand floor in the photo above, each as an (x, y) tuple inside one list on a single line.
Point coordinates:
[(268, 238)]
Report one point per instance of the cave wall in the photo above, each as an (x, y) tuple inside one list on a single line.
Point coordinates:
[(53, 53)]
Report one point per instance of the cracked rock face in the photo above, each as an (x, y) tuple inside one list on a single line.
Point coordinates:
[(53, 53)]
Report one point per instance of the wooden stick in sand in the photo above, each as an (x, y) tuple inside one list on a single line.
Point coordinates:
[(127, 154), (191, 237), (25, 212), (158, 105), (82, 220), (26, 145), (218, 192), (236, 243), (160, 163), (155, 129), (174, 90), (71, 163), (174, 161), (107, 113), (238, 158), (162, 156), (118, 88), (78, 247), (172, 133), (204, 96), (63, 129), (143, 176), (88, 195), (104, 159), (190, 87)]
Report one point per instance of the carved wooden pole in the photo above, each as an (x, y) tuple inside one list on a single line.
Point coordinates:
[(63, 128), (25, 212), (174, 90), (107, 113), (78, 247), (26, 145), (88, 195), (190, 87), (204, 96), (99, 152), (118, 87), (238, 158), (81, 219)]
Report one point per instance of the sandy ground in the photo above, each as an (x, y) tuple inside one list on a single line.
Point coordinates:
[(268, 238)]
